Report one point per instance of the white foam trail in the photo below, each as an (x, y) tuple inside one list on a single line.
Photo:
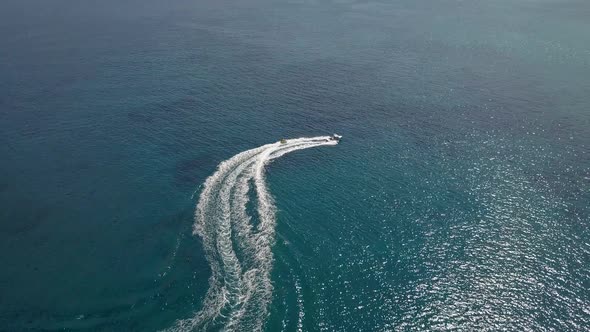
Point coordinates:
[(240, 254)]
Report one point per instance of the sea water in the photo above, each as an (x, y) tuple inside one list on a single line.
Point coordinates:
[(457, 198)]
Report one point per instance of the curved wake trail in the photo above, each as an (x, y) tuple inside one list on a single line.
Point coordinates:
[(239, 252)]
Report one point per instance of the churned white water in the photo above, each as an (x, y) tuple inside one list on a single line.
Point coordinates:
[(239, 252)]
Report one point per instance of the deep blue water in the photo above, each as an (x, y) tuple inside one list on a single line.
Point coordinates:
[(458, 198)]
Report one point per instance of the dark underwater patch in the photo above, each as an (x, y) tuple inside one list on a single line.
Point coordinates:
[(191, 172), (23, 219)]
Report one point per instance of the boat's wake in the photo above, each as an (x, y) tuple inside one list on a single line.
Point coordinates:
[(238, 250)]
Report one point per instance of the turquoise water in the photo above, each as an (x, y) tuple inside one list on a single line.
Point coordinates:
[(457, 199)]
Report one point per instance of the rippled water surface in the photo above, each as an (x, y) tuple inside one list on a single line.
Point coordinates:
[(457, 199)]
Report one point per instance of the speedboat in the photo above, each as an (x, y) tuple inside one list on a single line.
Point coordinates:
[(335, 137)]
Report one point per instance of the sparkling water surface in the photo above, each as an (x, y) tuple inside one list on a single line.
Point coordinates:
[(458, 198)]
